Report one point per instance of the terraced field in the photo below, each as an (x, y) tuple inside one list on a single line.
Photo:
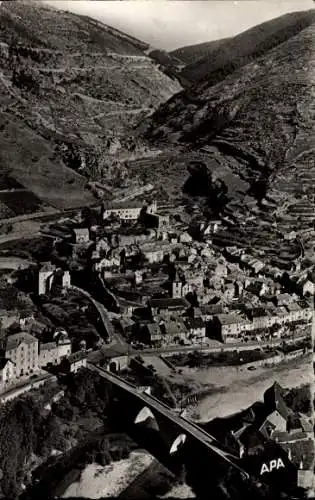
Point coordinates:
[(258, 123), (68, 86)]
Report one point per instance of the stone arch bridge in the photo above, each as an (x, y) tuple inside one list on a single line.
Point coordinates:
[(182, 446)]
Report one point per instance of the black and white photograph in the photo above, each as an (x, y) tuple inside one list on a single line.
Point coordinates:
[(157, 249)]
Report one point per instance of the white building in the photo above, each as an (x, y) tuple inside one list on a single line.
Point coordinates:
[(46, 277), (129, 210), (230, 327), (180, 289), (82, 235), (155, 252), (22, 350), (6, 373), (54, 352)]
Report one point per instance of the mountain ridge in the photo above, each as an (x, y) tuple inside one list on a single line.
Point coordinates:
[(230, 54), (190, 54), (258, 124), (76, 83)]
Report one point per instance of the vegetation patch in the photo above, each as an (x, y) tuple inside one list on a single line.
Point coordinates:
[(44, 444)]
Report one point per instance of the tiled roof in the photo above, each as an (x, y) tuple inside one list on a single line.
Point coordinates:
[(195, 323), (13, 341), (169, 303), (306, 425), (153, 328), (211, 309), (175, 327), (273, 398), (293, 307), (125, 204), (48, 346), (230, 319), (47, 266), (3, 362)]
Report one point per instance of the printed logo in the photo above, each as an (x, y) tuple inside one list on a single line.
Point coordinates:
[(273, 464)]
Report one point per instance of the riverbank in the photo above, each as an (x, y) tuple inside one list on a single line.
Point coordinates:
[(237, 389), (109, 481)]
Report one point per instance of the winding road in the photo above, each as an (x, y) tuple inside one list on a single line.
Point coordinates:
[(100, 308)]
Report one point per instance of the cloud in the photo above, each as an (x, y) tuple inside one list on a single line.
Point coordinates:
[(171, 24)]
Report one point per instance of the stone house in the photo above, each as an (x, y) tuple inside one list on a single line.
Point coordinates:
[(22, 350), (229, 327), (115, 359), (282, 299), (73, 363), (6, 373), (258, 288), (229, 291), (82, 235), (278, 412), (256, 266), (307, 288), (208, 311), (185, 237), (154, 333), (180, 288), (110, 262), (53, 352), (163, 222), (129, 210), (168, 307), (48, 275), (155, 252), (174, 331), (196, 328)]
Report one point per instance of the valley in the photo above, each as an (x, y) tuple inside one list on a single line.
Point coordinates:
[(157, 220), (69, 87)]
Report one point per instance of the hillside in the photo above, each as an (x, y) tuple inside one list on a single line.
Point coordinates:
[(258, 124), (192, 53), (166, 59), (71, 91), (222, 57)]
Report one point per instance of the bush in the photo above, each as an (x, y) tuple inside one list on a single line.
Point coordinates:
[(299, 399)]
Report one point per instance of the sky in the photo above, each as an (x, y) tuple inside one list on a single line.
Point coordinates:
[(168, 24)]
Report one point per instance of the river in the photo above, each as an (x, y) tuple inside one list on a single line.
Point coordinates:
[(241, 388)]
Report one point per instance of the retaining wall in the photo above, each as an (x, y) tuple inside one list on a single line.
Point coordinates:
[(14, 393), (273, 360)]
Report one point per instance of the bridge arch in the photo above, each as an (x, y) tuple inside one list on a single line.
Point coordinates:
[(145, 416), (114, 366), (177, 443)]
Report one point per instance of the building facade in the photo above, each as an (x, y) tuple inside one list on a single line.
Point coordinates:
[(128, 211), (22, 350)]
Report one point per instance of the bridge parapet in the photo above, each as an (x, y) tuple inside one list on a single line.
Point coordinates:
[(170, 437), (146, 389)]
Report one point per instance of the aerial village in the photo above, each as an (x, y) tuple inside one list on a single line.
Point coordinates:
[(155, 283), (135, 281), (115, 282)]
